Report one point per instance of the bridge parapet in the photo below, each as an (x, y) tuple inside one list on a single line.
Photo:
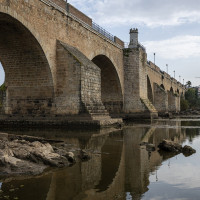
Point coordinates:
[(74, 11), (164, 75), (60, 3)]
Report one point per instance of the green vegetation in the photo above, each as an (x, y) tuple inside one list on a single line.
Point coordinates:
[(3, 87), (191, 101)]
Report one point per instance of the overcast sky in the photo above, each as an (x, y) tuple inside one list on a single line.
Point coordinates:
[(170, 28)]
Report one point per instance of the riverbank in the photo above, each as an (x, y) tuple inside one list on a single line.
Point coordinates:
[(28, 155)]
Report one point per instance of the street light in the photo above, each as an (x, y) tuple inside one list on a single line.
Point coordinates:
[(183, 81), (179, 78), (154, 54), (167, 68), (174, 73)]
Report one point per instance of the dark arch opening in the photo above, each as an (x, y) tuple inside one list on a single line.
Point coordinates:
[(178, 91), (162, 86), (28, 79), (111, 91), (149, 90), (171, 102)]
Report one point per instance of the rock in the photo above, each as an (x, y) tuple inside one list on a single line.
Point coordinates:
[(187, 150), (24, 157), (170, 146), (167, 145)]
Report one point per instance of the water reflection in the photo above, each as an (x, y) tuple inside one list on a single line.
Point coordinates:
[(120, 167)]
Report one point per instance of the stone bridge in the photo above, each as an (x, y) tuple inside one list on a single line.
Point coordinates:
[(58, 62)]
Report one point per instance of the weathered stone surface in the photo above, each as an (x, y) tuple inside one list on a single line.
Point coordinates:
[(19, 156)]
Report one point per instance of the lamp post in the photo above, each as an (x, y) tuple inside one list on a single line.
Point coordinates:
[(167, 68), (174, 73), (154, 54), (179, 78), (183, 81)]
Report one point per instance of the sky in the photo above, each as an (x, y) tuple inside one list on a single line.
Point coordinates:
[(169, 28)]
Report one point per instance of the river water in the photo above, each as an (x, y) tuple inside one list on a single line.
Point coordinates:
[(120, 168)]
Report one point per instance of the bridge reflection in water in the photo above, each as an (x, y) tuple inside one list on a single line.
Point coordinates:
[(119, 169)]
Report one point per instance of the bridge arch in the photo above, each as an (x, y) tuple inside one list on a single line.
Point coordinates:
[(171, 90), (111, 88), (149, 90), (162, 86), (28, 78)]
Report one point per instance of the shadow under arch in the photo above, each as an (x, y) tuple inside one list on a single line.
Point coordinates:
[(111, 90), (28, 78), (171, 90), (162, 86), (149, 90)]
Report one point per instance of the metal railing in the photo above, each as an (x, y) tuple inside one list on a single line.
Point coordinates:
[(143, 47), (102, 31), (94, 26), (126, 45)]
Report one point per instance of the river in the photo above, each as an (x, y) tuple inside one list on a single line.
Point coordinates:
[(120, 168)]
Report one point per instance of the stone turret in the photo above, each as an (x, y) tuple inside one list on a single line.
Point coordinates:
[(133, 38)]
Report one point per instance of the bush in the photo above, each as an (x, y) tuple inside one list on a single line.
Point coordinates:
[(184, 104)]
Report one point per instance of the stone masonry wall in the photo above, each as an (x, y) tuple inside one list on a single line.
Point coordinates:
[(28, 78), (172, 102), (68, 82), (61, 3), (160, 99), (118, 41), (142, 74), (47, 23), (132, 102), (79, 81), (71, 9)]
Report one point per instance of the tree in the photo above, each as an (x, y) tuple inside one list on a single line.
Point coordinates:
[(188, 84), (184, 104), (191, 97)]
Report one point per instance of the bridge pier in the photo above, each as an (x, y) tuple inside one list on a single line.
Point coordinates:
[(173, 102), (78, 87), (136, 102), (160, 99)]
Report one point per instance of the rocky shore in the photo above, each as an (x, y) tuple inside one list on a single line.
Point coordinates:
[(26, 155)]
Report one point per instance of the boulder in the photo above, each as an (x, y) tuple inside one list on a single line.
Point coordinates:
[(187, 150), (169, 146)]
